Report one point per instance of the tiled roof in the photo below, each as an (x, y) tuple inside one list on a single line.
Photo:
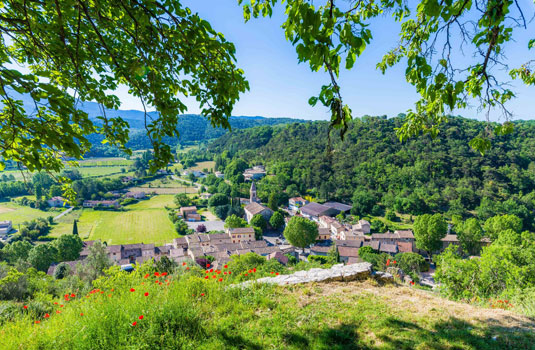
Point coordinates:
[(242, 230), (349, 243), (348, 251), (405, 234), (405, 247), (450, 238), (389, 248), (255, 208)]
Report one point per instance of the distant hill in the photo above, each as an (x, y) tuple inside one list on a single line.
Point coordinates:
[(192, 127)]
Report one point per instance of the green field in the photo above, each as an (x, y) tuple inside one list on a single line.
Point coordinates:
[(145, 222), (18, 213), (210, 164)]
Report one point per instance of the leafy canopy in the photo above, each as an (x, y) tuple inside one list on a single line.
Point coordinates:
[(433, 38), (76, 51), (301, 232)]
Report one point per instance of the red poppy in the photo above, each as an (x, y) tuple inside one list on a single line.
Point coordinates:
[(395, 262), (37, 322), (202, 294), (187, 268), (109, 295), (229, 272), (254, 270), (160, 283), (134, 323), (73, 295), (55, 303), (211, 270), (218, 272), (66, 296), (156, 274), (206, 277), (112, 289), (58, 312), (102, 292), (183, 264), (61, 305), (245, 274), (47, 315), (25, 307), (81, 314), (272, 272), (146, 276), (207, 265), (214, 276), (224, 273), (156, 281), (207, 271), (166, 280), (132, 290), (141, 317), (220, 280), (226, 266), (276, 273), (146, 294), (250, 271), (142, 283)]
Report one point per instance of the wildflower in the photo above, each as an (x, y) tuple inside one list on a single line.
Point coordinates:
[(187, 268), (134, 323), (142, 283), (101, 292), (245, 274), (226, 266), (25, 307), (250, 271), (206, 277), (388, 262), (47, 315), (73, 295), (166, 280), (141, 317), (37, 322), (220, 280), (211, 270), (202, 294), (207, 265), (112, 289), (229, 272), (146, 294), (276, 273), (58, 312), (146, 276), (156, 281), (214, 276), (183, 264), (81, 313), (272, 272), (254, 270), (156, 274), (207, 271), (395, 262), (61, 305), (109, 295), (164, 274), (55, 303), (132, 290)]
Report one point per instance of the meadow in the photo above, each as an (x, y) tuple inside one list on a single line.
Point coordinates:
[(146, 222), (19, 213), (186, 311)]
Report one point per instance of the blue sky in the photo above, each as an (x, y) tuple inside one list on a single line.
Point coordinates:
[(280, 86)]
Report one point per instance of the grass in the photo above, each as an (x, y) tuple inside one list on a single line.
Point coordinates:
[(146, 221), (19, 214), (210, 164), (355, 315)]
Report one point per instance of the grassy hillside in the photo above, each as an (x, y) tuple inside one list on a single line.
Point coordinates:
[(186, 311)]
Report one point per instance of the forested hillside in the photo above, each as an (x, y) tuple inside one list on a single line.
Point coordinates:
[(372, 170), (192, 128)]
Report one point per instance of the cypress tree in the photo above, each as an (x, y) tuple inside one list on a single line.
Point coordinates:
[(75, 228)]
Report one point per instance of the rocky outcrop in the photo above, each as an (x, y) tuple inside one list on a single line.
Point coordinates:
[(336, 273)]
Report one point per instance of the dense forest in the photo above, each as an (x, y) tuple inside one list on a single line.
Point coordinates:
[(373, 171), (191, 127)]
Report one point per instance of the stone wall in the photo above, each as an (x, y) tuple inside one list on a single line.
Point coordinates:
[(336, 273)]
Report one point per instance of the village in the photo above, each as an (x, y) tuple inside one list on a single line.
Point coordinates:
[(218, 243)]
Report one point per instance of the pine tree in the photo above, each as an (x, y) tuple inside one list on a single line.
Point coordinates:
[(75, 228)]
